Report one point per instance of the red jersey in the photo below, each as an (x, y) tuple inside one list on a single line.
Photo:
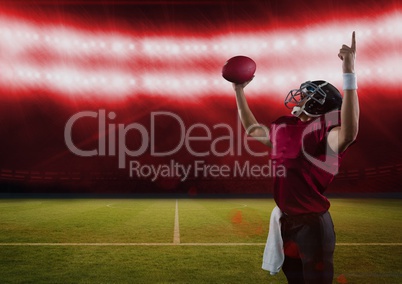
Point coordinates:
[(301, 147)]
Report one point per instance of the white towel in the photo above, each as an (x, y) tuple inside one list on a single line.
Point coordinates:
[(273, 254)]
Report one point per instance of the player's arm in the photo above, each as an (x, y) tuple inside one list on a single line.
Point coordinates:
[(251, 125), (342, 136)]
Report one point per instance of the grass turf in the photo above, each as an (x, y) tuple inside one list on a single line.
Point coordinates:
[(201, 221)]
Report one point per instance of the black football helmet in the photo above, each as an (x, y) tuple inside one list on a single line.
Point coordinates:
[(314, 98)]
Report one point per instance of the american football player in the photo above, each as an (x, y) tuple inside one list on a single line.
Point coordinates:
[(310, 143)]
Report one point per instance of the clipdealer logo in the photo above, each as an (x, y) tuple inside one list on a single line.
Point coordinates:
[(107, 146)]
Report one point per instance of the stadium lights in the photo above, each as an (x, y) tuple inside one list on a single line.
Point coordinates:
[(80, 43), (76, 81), (77, 62)]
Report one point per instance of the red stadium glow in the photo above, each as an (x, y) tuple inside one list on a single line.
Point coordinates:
[(135, 58), (77, 62)]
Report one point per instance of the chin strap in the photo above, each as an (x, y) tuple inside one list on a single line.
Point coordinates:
[(297, 111)]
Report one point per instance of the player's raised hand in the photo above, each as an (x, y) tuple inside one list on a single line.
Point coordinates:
[(347, 55), (242, 85)]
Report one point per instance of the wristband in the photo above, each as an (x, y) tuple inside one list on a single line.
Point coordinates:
[(349, 81)]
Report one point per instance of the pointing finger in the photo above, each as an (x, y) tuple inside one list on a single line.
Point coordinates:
[(353, 46)]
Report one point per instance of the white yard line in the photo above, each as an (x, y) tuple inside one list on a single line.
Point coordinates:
[(176, 230), (369, 244), (180, 244)]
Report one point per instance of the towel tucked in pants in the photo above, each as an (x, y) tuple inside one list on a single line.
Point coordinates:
[(273, 254)]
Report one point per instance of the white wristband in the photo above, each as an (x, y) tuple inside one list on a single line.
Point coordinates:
[(349, 81)]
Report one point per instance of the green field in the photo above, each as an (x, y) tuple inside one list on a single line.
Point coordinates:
[(204, 241)]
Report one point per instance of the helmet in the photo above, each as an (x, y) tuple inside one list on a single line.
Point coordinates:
[(314, 98)]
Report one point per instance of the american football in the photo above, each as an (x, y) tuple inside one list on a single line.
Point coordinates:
[(239, 69)]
